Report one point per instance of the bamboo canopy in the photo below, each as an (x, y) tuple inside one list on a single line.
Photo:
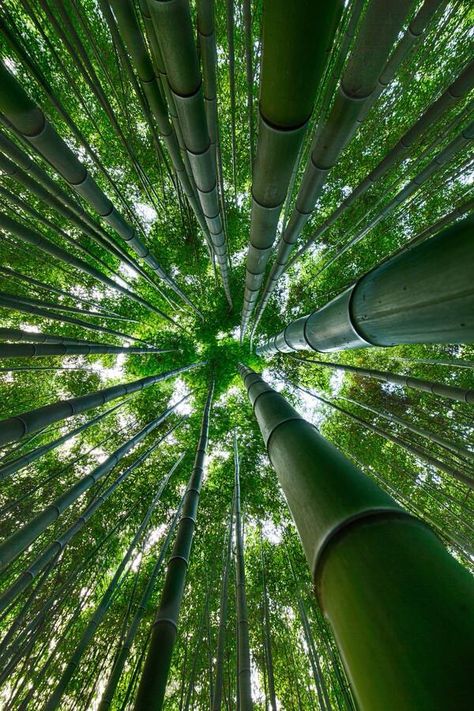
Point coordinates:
[(204, 204)]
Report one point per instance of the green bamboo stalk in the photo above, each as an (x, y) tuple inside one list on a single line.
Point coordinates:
[(433, 437), (7, 271), (243, 645), (295, 47), (131, 32), (102, 608), (452, 96), (57, 547), (407, 299), (216, 703), (115, 674), (32, 350), (20, 463), (174, 30), (151, 690), (451, 392), (15, 544), (357, 91), (396, 600), (267, 631), (35, 179), (14, 428), (17, 334), (33, 125), (30, 306), (464, 478), (30, 236)]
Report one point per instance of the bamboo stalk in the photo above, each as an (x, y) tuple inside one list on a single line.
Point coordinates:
[(372, 565), (155, 672)]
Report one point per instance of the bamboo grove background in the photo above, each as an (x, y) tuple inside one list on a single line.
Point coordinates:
[(72, 59)]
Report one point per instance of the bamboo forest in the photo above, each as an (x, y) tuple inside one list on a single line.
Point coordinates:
[(236, 355)]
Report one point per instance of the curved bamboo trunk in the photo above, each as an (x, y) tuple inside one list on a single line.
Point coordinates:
[(174, 30), (372, 565), (14, 428), (30, 121), (407, 299), (23, 537), (451, 392), (321, 689), (243, 645), (115, 674), (152, 687), (452, 96), (31, 350), (295, 49), (102, 608), (216, 703)]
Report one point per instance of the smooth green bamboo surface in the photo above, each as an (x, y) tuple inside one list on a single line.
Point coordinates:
[(399, 605)]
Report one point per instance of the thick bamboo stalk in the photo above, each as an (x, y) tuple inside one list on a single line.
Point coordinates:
[(151, 690), (115, 674), (243, 644), (452, 96), (32, 350), (295, 47), (105, 602), (407, 299), (174, 30), (51, 553), (451, 392), (23, 537), (31, 122), (376, 35), (216, 703), (14, 428), (130, 30), (20, 463), (396, 600)]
